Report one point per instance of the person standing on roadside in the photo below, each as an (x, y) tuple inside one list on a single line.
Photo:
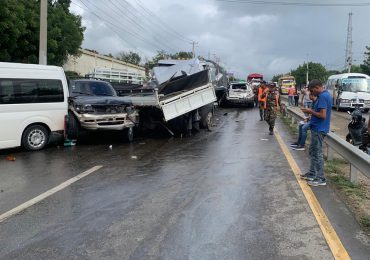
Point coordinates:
[(290, 95), (306, 101), (296, 96), (272, 106), (319, 125), (261, 101), (303, 128)]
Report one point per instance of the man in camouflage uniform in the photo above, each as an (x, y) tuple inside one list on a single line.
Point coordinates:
[(272, 105)]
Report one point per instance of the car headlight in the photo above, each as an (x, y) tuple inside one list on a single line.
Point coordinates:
[(344, 101), (84, 108)]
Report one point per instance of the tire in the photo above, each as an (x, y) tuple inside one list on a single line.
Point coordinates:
[(73, 127), (366, 111), (207, 121), (35, 137), (130, 134)]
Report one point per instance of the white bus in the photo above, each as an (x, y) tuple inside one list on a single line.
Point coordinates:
[(349, 90), (33, 105)]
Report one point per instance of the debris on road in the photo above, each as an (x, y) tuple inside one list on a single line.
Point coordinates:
[(10, 158)]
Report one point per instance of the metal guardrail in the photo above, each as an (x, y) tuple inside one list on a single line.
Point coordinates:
[(358, 160)]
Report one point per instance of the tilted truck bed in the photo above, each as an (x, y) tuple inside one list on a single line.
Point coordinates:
[(174, 104)]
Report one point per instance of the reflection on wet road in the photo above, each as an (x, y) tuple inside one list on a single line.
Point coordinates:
[(226, 194)]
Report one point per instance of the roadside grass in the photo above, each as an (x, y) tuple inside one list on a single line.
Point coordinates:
[(288, 122), (353, 195), (333, 170)]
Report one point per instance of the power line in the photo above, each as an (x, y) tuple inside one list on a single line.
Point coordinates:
[(295, 3), (147, 21), (162, 24), (132, 34), (135, 23)]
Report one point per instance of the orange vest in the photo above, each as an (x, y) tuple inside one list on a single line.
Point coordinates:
[(260, 92)]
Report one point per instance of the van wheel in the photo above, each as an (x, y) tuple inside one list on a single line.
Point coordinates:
[(73, 127), (35, 137), (130, 134)]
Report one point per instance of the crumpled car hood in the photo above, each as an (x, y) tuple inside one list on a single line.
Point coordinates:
[(100, 100)]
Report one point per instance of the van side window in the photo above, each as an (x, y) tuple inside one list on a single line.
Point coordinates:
[(20, 91)]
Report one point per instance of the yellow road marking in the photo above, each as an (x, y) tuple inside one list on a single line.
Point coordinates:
[(336, 246), (46, 194)]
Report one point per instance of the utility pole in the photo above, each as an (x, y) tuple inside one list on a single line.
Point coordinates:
[(43, 32), (348, 60), (194, 43)]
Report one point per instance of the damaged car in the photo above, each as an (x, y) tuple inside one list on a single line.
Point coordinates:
[(238, 93), (94, 106)]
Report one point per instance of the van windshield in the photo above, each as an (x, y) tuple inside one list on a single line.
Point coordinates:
[(355, 85)]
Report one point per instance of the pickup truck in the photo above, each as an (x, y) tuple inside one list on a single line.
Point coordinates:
[(94, 105)]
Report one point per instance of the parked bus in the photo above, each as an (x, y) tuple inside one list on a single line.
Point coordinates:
[(349, 90), (33, 105), (285, 82)]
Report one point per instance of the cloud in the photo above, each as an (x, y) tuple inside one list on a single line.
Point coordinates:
[(248, 38)]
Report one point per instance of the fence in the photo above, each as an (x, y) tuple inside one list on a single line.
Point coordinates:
[(357, 159)]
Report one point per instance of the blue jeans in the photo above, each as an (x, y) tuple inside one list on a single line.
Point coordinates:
[(291, 100), (302, 136), (316, 155), (307, 104)]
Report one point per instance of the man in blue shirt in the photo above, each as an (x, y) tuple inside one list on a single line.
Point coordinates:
[(320, 125)]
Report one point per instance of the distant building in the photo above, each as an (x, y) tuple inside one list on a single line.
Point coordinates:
[(89, 62)]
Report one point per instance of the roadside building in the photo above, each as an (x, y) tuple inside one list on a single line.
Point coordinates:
[(92, 64)]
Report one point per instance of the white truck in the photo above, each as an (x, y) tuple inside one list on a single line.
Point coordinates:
[(179, 97)]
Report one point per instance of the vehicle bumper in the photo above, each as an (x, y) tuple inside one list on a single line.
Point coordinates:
[(56, 136), (107, 121), (352, 105), (241, 101)]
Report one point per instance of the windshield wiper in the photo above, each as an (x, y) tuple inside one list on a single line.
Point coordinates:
[(82, 93), (103, 94)]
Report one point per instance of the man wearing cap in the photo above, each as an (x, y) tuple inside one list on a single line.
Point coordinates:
[(272, 105)]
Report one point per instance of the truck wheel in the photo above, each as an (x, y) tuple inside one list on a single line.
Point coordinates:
[(207, 121), (130, 134), (73, 127), (35, 137)]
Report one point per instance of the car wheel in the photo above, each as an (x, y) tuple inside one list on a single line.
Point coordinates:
[(366, 111), (130, 134), (73, 127), (35, 137)]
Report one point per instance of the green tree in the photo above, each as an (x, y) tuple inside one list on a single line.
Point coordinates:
[(315, 71), (276, 78), (365, 67), (129, 57), (354, 69), (182, 55), (20, 27)]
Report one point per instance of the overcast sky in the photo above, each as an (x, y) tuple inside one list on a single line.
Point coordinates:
[(247, 38)]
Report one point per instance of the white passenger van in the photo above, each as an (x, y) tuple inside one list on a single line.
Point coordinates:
[(350, 90), (33, 105)]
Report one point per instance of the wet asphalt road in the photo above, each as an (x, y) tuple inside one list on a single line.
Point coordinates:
[(226, 194)]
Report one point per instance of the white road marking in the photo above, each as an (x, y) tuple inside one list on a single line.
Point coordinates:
[(46, 194)]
